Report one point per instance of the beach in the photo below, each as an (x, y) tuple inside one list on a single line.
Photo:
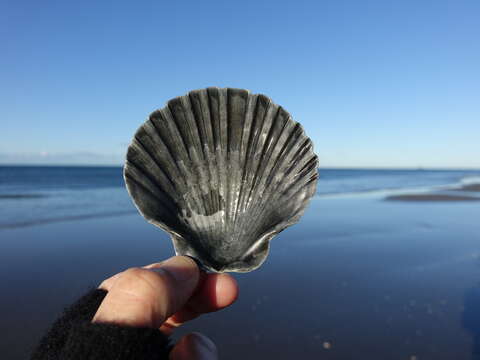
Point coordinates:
[(212, 118), (357, 277)]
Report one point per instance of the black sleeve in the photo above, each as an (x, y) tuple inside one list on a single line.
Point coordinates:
[(73, 337)]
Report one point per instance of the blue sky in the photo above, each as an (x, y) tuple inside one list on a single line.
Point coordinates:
[(375, 83)]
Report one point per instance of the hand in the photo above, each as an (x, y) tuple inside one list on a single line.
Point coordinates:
[(164, 295)]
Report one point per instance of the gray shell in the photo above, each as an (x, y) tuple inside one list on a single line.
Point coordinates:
[(223, 171)]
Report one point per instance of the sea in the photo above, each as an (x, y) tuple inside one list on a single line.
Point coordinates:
[(31, 195), (357, 277)]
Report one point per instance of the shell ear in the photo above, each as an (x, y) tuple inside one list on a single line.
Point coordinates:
[(223, 171)]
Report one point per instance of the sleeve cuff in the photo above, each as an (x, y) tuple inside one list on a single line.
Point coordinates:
[(73, 336)]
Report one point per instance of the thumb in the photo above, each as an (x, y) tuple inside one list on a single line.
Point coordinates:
[(147, 297), (194, 346)]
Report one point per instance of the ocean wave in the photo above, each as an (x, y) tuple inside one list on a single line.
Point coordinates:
[(398, 190), (24, 202), (470, 180), (22, 196), (28, 223)]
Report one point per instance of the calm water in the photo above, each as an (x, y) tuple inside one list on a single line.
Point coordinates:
[(34, 195)]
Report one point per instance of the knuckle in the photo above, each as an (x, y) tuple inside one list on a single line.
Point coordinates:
[(133, 278), (154, 287), (134, 272), (143, 279)]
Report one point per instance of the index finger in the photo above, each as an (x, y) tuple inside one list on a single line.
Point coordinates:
[(215, 292)]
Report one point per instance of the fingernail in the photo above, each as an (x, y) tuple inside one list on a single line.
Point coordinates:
[(202, 347), (181, 268)]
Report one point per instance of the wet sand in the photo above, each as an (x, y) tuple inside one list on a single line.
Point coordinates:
[(470, 187), (356, 278), (431, 197)]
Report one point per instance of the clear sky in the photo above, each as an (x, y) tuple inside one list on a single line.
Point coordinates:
[(375, 83)]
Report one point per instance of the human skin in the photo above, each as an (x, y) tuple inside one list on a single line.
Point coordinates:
[(164, 295)]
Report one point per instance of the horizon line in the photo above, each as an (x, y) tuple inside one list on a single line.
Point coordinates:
[(417, 168)]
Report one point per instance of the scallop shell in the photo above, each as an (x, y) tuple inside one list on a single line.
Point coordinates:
[(223, 171)]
